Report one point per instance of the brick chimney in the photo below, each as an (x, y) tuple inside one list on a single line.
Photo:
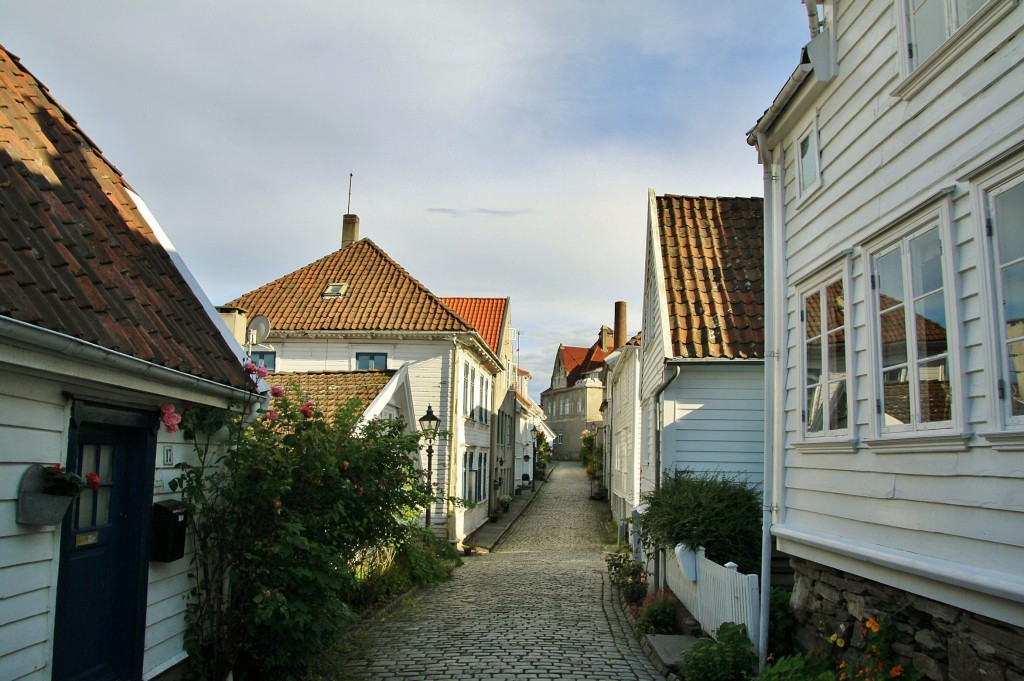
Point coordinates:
[(349, 229), (620, 324)]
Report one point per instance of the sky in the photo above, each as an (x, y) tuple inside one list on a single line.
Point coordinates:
[(496, 149)]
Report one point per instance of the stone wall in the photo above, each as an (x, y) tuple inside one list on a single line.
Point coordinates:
[(942, 642)]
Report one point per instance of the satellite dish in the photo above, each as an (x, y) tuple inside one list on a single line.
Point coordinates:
[(259, 329)]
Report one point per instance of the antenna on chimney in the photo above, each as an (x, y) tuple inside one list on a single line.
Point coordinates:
[(349, 209)]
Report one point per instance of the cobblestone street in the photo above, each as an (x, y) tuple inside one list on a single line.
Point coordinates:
[(537, 608)]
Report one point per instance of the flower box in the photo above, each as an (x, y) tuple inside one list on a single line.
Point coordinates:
[(36, 508)]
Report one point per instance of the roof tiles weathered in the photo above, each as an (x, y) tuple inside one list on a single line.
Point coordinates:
[(379, 295), (712, 255), (486, 315), (333, 389), (76, 255)]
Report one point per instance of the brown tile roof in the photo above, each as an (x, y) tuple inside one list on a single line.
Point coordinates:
[(712, 253), (77, 257), (332, 389), (486, 315), (381, 296)]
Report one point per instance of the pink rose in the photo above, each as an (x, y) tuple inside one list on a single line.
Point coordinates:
[(276, 391), (250, 367), (309, 404), (261, 371), (306, 411), (172, 419), (167, 408), (93, 480), (272, 415), (172, 427)]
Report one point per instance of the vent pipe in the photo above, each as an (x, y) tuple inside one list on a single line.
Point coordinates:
[(349, 229)]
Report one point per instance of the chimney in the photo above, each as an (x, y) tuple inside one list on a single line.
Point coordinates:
[(605, 339), (349, 229), (620, 323)]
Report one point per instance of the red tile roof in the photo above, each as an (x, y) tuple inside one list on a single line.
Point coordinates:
[(77, 257), (578, 361), (333, 389), (380, 296), (572, 358), (712, 254), (486, 315)]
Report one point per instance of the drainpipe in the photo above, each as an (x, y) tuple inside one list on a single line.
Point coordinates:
[(772, 379), (658, 421)]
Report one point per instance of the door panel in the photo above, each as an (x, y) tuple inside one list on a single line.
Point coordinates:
[(100, 619)]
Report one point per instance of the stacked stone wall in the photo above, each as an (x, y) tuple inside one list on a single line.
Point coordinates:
[(942, 642)]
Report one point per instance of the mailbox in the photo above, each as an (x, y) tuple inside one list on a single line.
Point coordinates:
[(170, 518)]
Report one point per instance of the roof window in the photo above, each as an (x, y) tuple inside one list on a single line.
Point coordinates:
[(334, 290)]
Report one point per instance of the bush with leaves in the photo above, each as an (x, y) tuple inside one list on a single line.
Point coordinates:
[(590, 454), (806, 667), (729, 658), (280, 526), (628, 576), (721, 514), (657, 615)]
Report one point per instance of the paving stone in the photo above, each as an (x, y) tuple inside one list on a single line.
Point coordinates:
[(538, 606)]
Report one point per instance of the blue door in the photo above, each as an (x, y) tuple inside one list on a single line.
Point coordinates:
[(101, 589)]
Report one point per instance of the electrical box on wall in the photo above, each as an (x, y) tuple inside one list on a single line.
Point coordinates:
[(170, 518)]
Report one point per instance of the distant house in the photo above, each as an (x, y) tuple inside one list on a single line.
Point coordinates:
[(702, 386), (100, 325), (573, 400), (622, 428), (894, 186), (356, 309)]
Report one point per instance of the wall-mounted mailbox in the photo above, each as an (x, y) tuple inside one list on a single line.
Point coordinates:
[(170, 518)]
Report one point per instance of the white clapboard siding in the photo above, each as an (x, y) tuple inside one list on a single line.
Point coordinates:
[(881, 158), (717, 423)]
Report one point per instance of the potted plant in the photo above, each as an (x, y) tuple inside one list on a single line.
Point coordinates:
[(46, 492), (505, 502)]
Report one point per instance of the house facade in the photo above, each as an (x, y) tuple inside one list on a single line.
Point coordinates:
[(622, 428), (702, 386), (573, 400), (357, 309), (894, 187), (103, 334)]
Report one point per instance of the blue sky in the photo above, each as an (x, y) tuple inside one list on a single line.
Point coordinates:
[(498, 149)]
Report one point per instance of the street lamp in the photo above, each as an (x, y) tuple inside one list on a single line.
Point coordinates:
[(428, 426), (533, 435)]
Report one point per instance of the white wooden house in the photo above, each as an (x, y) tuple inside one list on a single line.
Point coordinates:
[(357, 309), (622, 428), (100, 325), (894, 187), (702, 401)]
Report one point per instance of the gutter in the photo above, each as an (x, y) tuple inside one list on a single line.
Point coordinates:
[(69, 346), (781, 100)]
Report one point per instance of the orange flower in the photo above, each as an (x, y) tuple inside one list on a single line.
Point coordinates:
[(873, 625), (896, 671)]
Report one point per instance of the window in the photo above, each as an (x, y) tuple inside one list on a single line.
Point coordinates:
[(807, 160), (334, 290), (467, 399), (264, 358), (825, 381), (916, 392), (932, 22), (371, 360), (1006, 206)]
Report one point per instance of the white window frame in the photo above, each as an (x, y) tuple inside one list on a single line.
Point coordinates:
[(991, 188), (965, 34), (937, 218), (820, 285), (809, 132)]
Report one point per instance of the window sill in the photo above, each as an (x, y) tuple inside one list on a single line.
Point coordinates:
[(1006, 441), (919, 444), (954, 48), (826, 446)]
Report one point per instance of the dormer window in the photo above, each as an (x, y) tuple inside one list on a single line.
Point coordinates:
[(335, 290)]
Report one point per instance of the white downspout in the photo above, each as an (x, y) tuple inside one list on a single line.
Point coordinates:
[(659, 418), (774, 290)]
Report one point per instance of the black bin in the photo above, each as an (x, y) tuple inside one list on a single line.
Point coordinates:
[(170, 519)]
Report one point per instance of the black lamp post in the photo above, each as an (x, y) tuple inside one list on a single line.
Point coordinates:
[(428, 425), (533, 478)]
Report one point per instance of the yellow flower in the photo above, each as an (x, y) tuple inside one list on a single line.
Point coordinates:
[(832, 638), (840, 642)]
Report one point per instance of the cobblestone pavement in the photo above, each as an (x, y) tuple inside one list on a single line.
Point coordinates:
[(538, 608)]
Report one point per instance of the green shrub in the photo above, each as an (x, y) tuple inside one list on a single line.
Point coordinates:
[(719, 513), (806, 667), (628, 576), (730, 658), (781, 623), (658, 616)]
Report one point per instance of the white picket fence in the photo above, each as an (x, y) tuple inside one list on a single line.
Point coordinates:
[(713, 593)]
